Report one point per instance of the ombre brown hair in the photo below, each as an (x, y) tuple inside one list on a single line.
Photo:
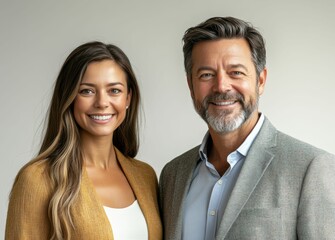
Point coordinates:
[(61, 143)]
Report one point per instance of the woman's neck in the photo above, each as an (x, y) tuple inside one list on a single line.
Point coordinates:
[(98, 151)]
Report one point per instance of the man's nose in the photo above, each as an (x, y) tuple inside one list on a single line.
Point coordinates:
[(222, 82)]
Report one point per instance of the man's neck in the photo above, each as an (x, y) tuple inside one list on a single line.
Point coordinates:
[(224, 144)]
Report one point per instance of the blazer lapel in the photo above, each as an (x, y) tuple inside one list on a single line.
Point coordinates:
[(181, 185), (258, 159)]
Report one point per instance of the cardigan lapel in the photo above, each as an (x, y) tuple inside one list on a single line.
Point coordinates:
[(258, 159), (134, 177), (90, 200), (139, 184)]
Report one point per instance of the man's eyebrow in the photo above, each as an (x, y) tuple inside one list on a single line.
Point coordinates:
[(204, 68), (238, 66)]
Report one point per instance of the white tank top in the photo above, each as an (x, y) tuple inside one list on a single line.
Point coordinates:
[(127, 223)]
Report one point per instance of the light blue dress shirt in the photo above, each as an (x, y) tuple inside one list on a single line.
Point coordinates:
[(209, 192)]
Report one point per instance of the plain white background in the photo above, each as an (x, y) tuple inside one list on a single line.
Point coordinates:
[(36, 37)]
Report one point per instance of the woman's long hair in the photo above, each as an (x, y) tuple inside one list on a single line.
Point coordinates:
[(61, 143)]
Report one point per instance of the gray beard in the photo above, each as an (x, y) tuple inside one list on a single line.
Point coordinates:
[(223, 122)]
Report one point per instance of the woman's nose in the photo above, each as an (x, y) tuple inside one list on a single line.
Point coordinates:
[(101, 100)]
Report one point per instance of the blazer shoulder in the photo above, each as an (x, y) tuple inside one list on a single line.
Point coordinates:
[(284, 144), (182, 161), (190, 154), (297, 146)]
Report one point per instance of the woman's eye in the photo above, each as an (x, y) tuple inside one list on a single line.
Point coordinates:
[(115, 91), (86, 91)]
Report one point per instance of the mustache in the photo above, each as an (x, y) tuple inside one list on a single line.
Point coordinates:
[(223, 96)]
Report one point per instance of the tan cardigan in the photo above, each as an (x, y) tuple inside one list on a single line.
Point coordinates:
[(27, 216)]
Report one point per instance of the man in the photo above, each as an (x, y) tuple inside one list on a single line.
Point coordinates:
[(246, 180)]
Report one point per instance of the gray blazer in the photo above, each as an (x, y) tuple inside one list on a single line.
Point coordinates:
[(286, 190)]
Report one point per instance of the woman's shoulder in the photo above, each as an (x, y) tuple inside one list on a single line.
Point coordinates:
[(33, 176), (28, 202), (143, 166), (34, 171), (138, 164), (143, 173)]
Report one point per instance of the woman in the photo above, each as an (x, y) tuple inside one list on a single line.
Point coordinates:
[(84, 183)]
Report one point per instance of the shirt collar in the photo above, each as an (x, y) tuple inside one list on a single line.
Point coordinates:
[(245, 146), (242, 149)]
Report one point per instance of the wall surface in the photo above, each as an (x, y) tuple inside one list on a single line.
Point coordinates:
[(36, 36)]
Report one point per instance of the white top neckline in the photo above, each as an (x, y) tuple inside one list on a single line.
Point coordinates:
[(127, 223)]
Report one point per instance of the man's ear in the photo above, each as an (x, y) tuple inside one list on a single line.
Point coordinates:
[(262, 81), (190, 86)]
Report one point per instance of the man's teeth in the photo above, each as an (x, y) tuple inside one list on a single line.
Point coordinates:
[(101, 118), (223, 103)]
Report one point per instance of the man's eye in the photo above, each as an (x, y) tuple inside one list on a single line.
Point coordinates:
[(206, 76), (236, 73)]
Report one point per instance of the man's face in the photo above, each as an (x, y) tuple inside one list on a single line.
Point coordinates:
[(224, 84)]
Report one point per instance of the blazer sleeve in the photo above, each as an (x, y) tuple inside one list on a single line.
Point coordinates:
[(27, 216), (316, 212)]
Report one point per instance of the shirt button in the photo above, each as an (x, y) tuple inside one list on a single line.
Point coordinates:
[(220, 182), (212, 213)]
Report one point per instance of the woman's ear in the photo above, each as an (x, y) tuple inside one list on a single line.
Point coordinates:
[(129, 98)]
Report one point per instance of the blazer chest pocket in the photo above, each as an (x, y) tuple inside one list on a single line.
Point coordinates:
[(257, 224)]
